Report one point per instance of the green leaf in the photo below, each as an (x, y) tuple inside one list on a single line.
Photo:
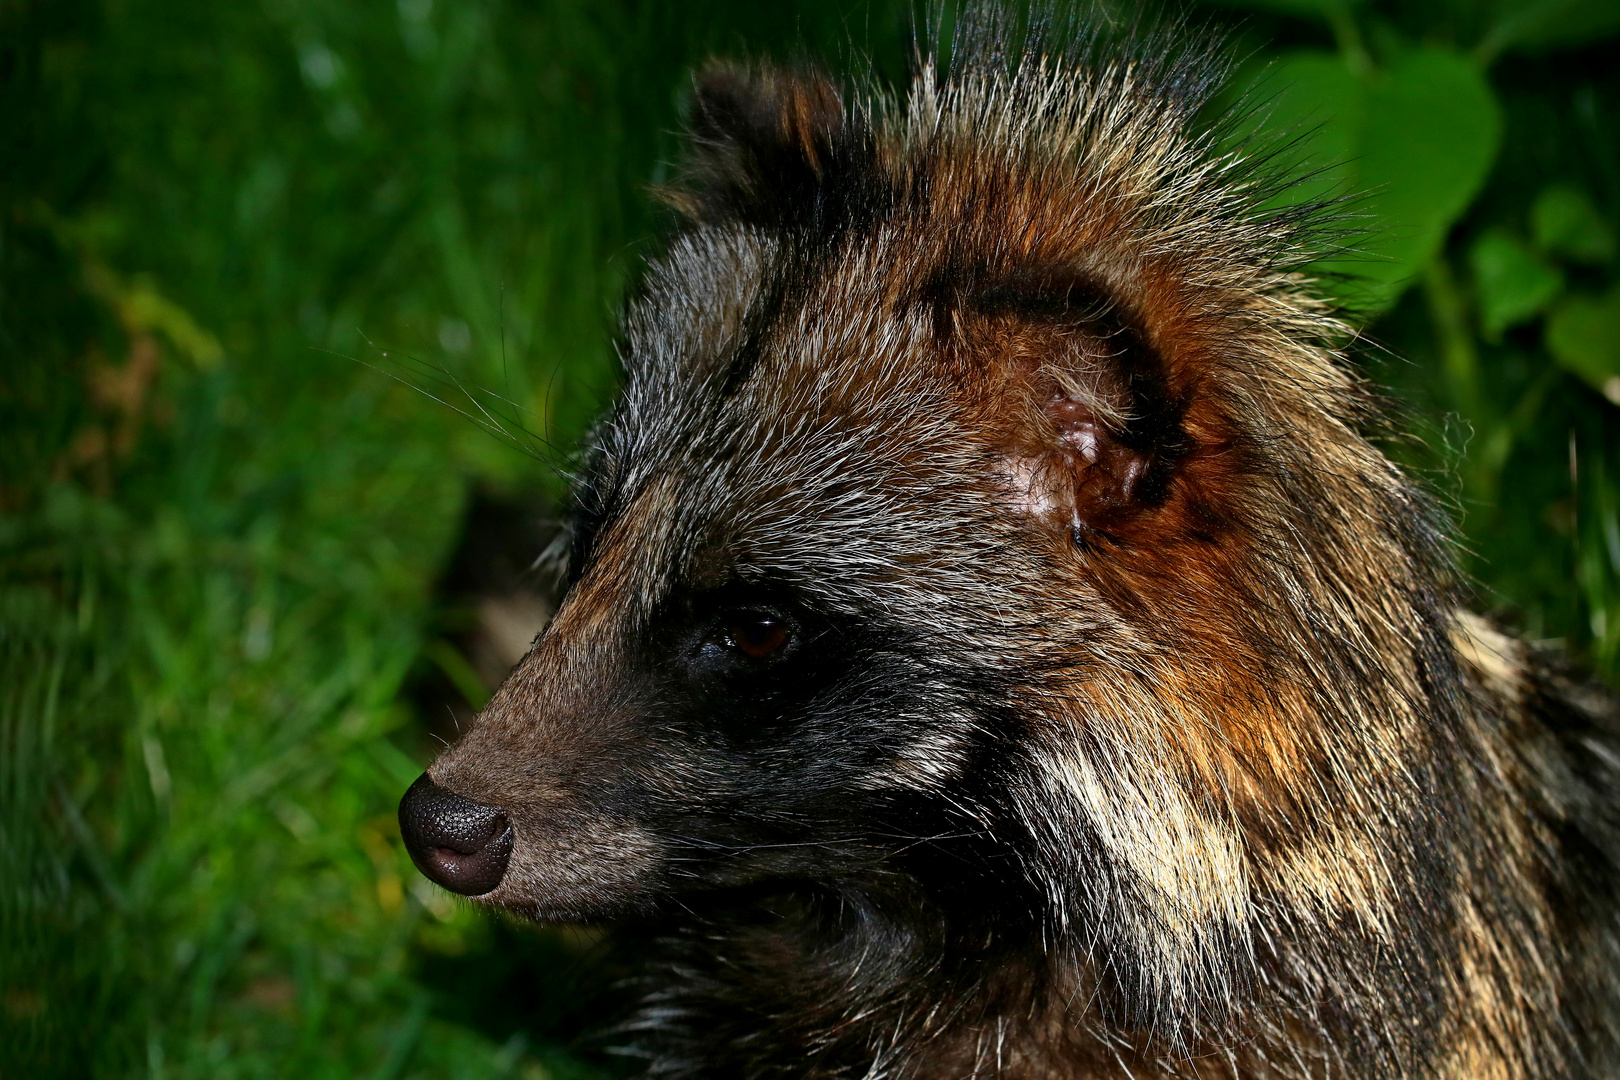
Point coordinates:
[(1314, 98), (1327, 10), (1433, 128), (1511, 282), (1542, 25), (1583, 334), (1415, 142), (1566, 223)]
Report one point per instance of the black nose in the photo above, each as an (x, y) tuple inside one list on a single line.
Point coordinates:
[(458, 843)]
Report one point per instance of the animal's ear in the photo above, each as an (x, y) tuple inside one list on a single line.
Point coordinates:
[(1090, 422), (765, 146)]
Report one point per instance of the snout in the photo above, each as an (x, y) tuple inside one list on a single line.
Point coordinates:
[(456, 842)]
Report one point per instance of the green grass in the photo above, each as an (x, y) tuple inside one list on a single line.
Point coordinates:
[(226, 233)]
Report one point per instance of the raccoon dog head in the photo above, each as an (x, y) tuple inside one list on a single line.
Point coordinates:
[(984, 519)]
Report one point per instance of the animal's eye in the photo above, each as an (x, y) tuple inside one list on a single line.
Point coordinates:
[(757, 634)]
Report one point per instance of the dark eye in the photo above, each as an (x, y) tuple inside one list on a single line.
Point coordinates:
[(757, 634)]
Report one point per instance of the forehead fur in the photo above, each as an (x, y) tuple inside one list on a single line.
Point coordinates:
[(776, 346)]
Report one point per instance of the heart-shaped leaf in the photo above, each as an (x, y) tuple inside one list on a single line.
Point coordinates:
[(1414, 142), (1566, 223), (1583, 334), (1511, 282)]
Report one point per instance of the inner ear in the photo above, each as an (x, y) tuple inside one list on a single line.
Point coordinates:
[(1090, 428)]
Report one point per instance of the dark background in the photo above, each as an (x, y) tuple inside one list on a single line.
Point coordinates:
[(249, 570)]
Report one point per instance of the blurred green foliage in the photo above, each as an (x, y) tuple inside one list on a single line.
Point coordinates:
[(223, 228), (1475, 148)]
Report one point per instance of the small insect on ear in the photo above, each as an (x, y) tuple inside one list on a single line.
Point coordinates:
[(1090, 428), (766, 146)]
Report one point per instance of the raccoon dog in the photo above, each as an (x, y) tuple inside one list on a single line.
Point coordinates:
[(993, 648)]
